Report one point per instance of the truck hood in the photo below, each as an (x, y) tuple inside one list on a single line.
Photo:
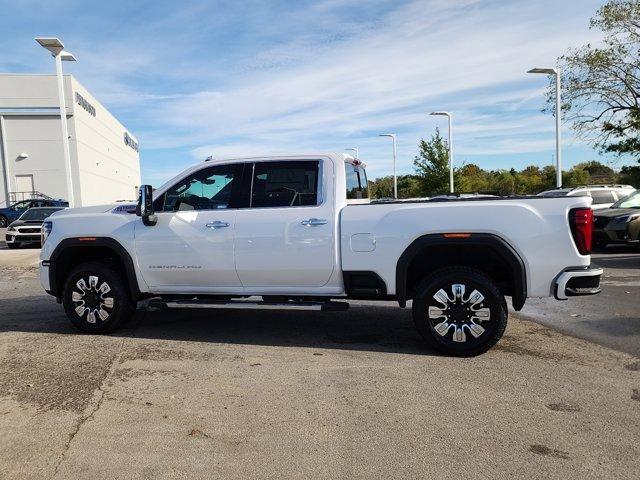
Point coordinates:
[(615, 212), (22, 223), (94, 209)]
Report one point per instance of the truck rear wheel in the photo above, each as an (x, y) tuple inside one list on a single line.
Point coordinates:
[(459, 311), (96, 299)]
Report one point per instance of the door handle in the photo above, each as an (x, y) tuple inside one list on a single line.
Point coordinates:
[(312, 222), (217, 224)]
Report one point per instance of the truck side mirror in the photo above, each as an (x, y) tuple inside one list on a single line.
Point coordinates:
[(144, 208)]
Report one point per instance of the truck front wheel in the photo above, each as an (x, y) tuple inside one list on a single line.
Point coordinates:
[(459, 311), (96, 299)]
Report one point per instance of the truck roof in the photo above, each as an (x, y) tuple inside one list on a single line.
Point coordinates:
[(336, 157)]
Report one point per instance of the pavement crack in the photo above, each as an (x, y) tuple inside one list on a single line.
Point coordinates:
[(91, 410)]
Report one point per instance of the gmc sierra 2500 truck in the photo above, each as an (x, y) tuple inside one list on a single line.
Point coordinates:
[(301, 233)]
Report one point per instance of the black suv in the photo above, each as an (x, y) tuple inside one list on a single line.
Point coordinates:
[(618, 224), (9, 214)]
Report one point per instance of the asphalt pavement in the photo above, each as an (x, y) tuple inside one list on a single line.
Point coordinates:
[(611, 318), (263, 394), (354, 394)]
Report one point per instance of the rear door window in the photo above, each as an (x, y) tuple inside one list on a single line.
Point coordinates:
[(285, 184)]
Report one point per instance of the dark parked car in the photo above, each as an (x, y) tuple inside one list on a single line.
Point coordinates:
[(9, 214), (28, 228), (619, 223)]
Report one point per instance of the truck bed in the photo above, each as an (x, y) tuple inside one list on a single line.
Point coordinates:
[(374, 235)]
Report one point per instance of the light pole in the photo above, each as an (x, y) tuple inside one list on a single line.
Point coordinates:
[(556, 73), (448, 115), (355, 150), (395, 177), (55, 46)]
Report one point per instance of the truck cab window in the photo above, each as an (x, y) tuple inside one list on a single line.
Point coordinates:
[(357, 188), (285, 184), (207, 189)]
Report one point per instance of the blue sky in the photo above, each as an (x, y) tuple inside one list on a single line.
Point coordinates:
[(193, 79)]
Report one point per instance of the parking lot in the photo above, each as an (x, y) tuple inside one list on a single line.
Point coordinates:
[(318, 395)]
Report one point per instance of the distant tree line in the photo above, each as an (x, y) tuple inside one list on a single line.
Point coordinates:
[(431, 176)]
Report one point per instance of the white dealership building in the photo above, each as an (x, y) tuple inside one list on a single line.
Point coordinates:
[(105, 164)]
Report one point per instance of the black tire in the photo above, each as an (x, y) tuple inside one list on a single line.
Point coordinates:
[(3, 221), (441, 326), (94, 308), (13, 245)]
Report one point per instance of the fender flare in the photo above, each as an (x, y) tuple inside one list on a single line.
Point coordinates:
[(92, 242), (503, 249)]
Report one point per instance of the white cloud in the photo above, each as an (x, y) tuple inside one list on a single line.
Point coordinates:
[(256, 78)]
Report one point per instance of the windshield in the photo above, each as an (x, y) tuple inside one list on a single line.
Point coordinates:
[(38, 213), (632, 201)]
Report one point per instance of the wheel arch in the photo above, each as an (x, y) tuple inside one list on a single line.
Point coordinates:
[(433, 251), (74, 251)]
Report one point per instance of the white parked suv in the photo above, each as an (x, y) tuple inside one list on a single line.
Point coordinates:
[(603, 195), (299, 232)]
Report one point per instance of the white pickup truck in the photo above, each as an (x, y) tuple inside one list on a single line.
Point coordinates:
[(301, 233)]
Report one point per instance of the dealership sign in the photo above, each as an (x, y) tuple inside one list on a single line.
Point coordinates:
[(80, 100), (130, 142)]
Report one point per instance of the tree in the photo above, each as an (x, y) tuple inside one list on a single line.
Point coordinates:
[(408, 187), (432, 165), (575, 177), (529, 180), (472, 179), (602, 84), (548, 177), (381, 187), (503, 182), (598, 172), (630, 175)]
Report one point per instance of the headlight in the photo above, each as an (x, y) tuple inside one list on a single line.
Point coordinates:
[(46, 230), (627, 218), (11, 229)]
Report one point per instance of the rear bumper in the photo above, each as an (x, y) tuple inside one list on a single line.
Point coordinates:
[(577, 282)]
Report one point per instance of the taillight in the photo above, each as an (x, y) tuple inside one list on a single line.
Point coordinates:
[(581, 221)]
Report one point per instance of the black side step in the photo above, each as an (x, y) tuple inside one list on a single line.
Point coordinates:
[(160, 304)]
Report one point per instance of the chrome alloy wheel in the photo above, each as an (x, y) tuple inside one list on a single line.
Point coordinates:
[(457, 316), (90, 300)]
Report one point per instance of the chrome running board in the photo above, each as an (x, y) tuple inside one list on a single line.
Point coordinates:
[(159, 304)]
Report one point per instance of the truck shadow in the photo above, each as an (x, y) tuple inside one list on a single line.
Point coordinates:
[(364, 327)]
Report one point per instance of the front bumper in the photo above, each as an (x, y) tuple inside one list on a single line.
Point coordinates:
[(16, 237), (575, 282), (45, 281), (617, 233)]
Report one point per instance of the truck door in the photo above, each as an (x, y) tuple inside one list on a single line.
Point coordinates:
[(191, 246), (286, 236)]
